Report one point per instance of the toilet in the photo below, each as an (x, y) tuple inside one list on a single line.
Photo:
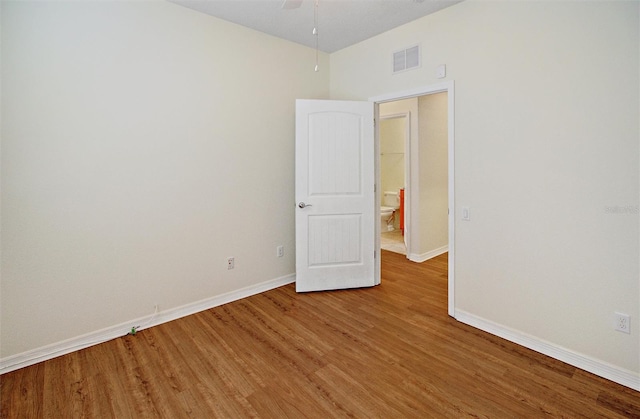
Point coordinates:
[(390, 203)]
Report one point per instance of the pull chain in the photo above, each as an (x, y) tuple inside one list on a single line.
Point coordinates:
[(315, 29)]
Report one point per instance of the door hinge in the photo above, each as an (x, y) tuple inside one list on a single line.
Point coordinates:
[(374, 254)]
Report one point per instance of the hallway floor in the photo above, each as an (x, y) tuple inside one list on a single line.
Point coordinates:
[(393, 241)]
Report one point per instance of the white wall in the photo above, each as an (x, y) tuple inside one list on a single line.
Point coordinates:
[(140, 148), (546, 147), (434, 203)]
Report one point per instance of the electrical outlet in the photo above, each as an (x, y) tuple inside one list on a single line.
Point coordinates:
[(622, 323), (231, 263), (280, 251)]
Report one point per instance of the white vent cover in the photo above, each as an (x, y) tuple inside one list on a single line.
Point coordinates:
[(406, 59)]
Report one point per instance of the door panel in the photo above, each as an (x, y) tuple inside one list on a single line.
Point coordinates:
[(334, 239), (335, 195)]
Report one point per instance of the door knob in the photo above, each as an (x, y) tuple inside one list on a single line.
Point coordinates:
[(303, 205)]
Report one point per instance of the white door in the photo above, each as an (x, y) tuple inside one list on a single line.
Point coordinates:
[(335, 195)]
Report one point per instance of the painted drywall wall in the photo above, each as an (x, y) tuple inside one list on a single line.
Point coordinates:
[(392, 139), (140, 149), (546, 157), (434, 204)]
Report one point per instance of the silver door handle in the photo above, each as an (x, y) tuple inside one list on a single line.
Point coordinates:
[(303, 205)]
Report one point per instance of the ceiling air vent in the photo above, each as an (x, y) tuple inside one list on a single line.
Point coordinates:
[(406, 59)]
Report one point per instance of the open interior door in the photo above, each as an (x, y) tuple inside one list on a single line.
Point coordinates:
[(335, 195)]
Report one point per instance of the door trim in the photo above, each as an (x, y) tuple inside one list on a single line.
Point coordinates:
[(448, 87)]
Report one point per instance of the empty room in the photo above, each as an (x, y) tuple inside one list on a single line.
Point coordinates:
[(186, 233)]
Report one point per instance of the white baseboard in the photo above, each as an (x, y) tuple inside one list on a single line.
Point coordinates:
[(594, 366), (429, 255), (24, 359)]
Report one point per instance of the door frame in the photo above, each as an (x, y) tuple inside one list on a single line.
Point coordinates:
[(447, 86)]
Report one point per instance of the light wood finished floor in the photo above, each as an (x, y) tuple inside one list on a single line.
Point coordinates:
[(386, 352)]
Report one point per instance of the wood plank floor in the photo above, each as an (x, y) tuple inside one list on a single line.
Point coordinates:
[(384, 352)]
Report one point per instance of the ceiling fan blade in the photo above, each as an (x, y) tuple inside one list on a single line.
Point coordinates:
[(291, 4)]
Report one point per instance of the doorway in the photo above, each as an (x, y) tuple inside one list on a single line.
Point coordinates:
[(394, 176), (414, 190)]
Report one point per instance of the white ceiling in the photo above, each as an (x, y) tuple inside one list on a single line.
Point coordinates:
[(341, 23)]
